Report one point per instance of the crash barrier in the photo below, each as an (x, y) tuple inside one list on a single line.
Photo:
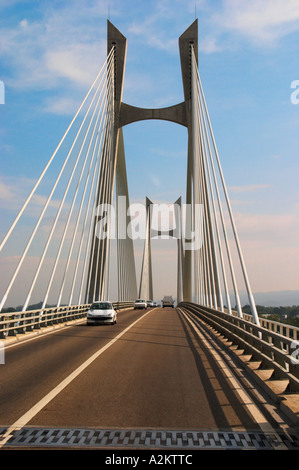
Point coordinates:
[(18, 323), (273, 356)]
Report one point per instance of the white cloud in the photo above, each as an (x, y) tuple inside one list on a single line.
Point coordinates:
[(270, 267), (62, 106), (263, 22), (55, 48), (276, 230), (159, 27), (6, 192), (155, 180), (13, 191), (269, 243), (209, 44), (75, 62)]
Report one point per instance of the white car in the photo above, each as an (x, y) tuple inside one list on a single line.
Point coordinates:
[(140, 304), (100, 313)]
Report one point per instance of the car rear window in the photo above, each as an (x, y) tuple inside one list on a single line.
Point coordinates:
[(101, 306)]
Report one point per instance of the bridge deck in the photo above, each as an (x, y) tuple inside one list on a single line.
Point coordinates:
[(160, 374)]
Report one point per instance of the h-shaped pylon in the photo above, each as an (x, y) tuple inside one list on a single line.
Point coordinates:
[(146, 278), (180, 113)]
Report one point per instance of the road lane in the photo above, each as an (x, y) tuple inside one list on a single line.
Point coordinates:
[(157, 375), (32, 369)]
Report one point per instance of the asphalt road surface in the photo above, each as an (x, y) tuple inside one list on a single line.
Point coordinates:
[(152, 370)]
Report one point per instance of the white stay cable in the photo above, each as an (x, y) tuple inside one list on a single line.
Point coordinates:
[(95, 127), (94, 173), (238, 303), (250, 296), (215, 229), (68, 220), (32, 235), (104, 177), (202, 267), (57, 216), (206, 201), (108, 195), (95, 176), (224, 234), (81, 205), (195, 174), (59, 211), (103, 259), (89, 252), (45, 206), (101, 193), (47, 166), (204, 257), (215, 225), (233, 277), (93, 213)]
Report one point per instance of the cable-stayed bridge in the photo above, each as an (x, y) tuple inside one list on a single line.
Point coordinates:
[(203, 368)]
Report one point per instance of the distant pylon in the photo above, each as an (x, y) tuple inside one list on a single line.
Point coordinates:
[(180, 248), (146, 277)]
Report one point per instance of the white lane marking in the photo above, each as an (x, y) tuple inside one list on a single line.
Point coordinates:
[(21, 422), (236, 387)]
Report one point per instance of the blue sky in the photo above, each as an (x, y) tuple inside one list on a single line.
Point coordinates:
[(51, 51)]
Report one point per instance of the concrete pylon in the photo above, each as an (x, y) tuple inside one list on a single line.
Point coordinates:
[(125, 114), (187, 39), (180, 259), (127, 284), (146, 277), (100, 248)]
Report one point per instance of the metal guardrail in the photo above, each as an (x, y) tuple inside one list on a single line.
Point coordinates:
[(281, 328), (275, 351), (16, 323)]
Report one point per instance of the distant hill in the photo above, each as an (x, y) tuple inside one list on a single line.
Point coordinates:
[(282, 298)]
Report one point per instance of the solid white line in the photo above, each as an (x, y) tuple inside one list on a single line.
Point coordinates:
[(21, 422)]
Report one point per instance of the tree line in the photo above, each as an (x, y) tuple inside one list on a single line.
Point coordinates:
[(288, 315)]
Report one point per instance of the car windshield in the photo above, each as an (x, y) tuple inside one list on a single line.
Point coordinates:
[(101, 306), (140, 301)]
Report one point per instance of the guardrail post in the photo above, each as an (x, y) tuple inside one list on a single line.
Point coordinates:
[(2, 353), (3, 327), (21, 328), (37, 320)]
